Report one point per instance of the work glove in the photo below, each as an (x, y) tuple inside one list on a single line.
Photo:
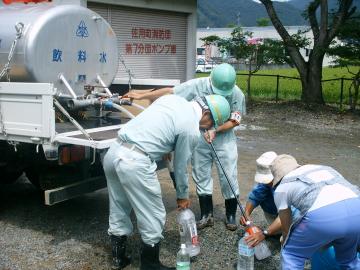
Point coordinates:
[(183, 203)]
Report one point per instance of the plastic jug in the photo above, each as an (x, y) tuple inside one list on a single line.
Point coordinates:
[(188, 231)]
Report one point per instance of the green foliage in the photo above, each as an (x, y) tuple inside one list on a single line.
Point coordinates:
[(347, 53), (347, 50), (263, 22), (213, 39), (231, 25), (262, 52)]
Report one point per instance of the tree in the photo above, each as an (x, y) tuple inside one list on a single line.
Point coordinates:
[(262, 22), (347, 53), (254, 52), (324, 31)]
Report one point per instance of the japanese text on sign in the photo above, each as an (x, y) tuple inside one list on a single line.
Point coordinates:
[(148, 48), (144, 45), (150, 33)]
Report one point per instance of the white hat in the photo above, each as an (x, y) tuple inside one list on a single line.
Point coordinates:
[(263, 173)]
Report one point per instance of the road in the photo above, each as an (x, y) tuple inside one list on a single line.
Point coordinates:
[(73, 235)]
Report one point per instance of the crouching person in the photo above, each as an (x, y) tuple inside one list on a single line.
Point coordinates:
[(329, 212), (170, 124)]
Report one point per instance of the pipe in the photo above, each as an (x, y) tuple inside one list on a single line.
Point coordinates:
[(104, 85), (77, 104), (121, 109), (138, 106), (63, 79)]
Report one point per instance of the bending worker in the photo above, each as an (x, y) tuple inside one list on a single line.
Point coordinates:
[(263, 195), (221, 81), (170, 123), (329, 212)]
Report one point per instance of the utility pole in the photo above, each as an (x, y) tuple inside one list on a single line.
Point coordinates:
[(238, 18)]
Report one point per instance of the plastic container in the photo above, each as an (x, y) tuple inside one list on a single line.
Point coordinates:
[(183, 259), (188, 231), (261, 250), (245, 255)]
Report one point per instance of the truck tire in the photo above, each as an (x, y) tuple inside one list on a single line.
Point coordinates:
[(33, 176), (9, 175)]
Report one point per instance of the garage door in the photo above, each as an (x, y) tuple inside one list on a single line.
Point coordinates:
[(151, 42)]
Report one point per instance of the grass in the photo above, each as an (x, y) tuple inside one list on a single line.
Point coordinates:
[(264, 88)]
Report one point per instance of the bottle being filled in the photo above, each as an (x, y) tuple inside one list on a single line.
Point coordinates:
[(183, 259), (261, 250), (245, 255), (188, 231)]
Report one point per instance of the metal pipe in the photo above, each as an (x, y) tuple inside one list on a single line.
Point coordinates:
[(63, 79), (107, 90), (77, 104)]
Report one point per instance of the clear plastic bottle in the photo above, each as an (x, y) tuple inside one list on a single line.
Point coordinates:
[(188, 231), (245, 255), (261, 250), (183, 259)]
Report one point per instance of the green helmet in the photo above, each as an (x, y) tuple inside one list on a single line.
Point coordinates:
[(219, 108), (223, 79)]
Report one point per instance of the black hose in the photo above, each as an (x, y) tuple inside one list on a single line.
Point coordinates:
[(227, 178)]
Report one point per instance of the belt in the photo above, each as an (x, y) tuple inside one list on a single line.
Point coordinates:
[(131, 146)]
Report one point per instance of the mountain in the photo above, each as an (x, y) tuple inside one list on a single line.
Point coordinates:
[(302, 4), (216, 13)]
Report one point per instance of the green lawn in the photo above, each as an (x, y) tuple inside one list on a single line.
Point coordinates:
[(290, 89)]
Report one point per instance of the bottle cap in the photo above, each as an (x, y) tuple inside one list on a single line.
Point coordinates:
[(183, 246)]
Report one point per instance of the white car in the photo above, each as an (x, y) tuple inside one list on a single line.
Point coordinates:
[(203, 66)]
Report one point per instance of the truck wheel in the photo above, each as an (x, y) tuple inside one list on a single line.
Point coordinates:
[(33, 176), (9, 175)]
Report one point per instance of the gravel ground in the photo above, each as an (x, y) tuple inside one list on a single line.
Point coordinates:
[(72, 235)]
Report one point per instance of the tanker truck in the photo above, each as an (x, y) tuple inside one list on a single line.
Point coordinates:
[(57, 113)]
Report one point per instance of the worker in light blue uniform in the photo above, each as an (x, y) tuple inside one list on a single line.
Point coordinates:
[(221, 81), (170, 123), (329, 213)]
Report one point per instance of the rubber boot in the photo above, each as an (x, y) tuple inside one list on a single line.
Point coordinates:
[(206, 209), (231, 207), (118, 248), (149, 258)]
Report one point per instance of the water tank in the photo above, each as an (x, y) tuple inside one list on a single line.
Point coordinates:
[(66, 39)]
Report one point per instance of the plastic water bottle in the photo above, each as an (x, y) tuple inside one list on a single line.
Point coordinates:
[(261, 250), (188, 231), (183, 259), (245, 255)]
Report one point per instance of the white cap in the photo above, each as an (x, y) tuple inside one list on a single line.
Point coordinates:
[(263, 173)]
